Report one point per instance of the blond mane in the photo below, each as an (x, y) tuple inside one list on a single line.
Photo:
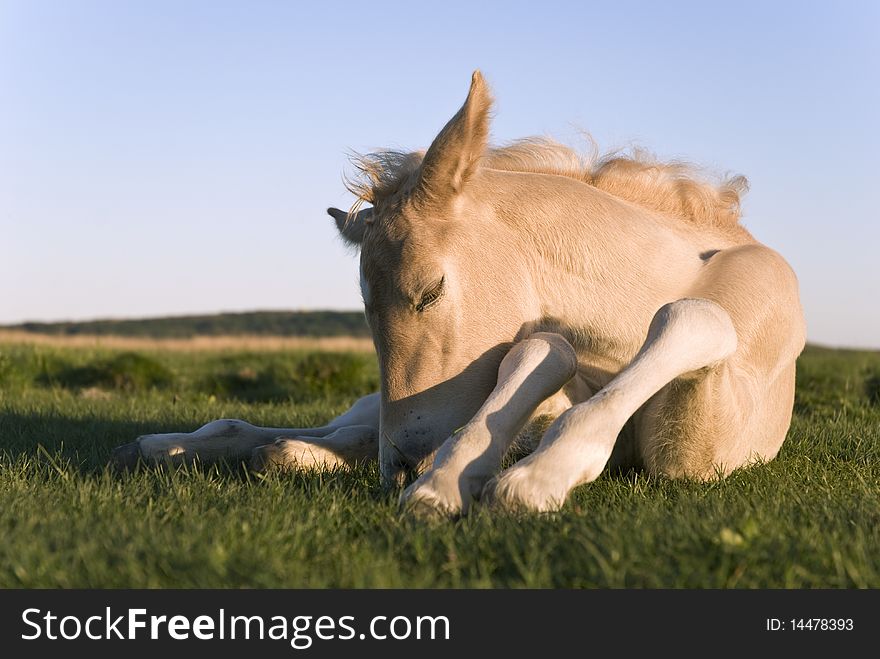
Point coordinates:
[(673, 188)]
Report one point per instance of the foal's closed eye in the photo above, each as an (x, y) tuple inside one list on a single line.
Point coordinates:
[(432, 295)]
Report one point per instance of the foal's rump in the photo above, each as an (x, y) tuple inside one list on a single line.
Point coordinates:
[(739, 411), (759, 290)]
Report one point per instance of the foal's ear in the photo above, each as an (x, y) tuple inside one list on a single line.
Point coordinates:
[(455, 153), (352, 227)]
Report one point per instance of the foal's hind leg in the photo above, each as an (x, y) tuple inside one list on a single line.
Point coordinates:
[(690, 338), (699, 427), (350, 436), (303, 450)]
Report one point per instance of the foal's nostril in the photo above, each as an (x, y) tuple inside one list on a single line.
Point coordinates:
[(407, 451), (405, 471)]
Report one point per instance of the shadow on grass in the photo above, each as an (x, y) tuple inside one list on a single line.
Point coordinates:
[(84, 446), (86, 441)]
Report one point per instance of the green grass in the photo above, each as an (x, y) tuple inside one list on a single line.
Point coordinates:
[(810, 518)]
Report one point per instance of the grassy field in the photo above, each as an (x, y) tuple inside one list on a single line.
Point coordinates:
[(811, 518)]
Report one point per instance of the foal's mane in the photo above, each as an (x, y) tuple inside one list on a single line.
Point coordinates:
[(674, 188)]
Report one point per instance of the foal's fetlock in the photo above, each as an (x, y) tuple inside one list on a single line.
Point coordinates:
[(286, 454), (165, 448), (150, 449)]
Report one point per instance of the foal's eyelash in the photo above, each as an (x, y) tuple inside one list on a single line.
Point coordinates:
[(432, 296)]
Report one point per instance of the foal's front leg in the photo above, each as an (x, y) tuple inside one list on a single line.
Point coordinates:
[(350, 436), (531, 372), (687, 339)]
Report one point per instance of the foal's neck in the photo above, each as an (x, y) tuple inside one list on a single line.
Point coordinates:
[(601, 266)]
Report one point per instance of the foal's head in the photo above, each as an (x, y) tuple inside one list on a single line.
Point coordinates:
[(443, 293)]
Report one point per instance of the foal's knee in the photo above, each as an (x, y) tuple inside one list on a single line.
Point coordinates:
[(544, 353), (700, 328)]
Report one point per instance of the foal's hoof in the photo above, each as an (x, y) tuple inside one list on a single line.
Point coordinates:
[(512, 491), (264, 458), (126, 457), (426, 511), (421, 503)]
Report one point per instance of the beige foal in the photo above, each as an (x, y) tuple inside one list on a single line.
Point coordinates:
[(620, 296)]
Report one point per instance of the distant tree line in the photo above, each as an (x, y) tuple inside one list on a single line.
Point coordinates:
[(268, 323)]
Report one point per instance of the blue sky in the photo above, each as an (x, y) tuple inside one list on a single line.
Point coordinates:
[(172, 157)]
